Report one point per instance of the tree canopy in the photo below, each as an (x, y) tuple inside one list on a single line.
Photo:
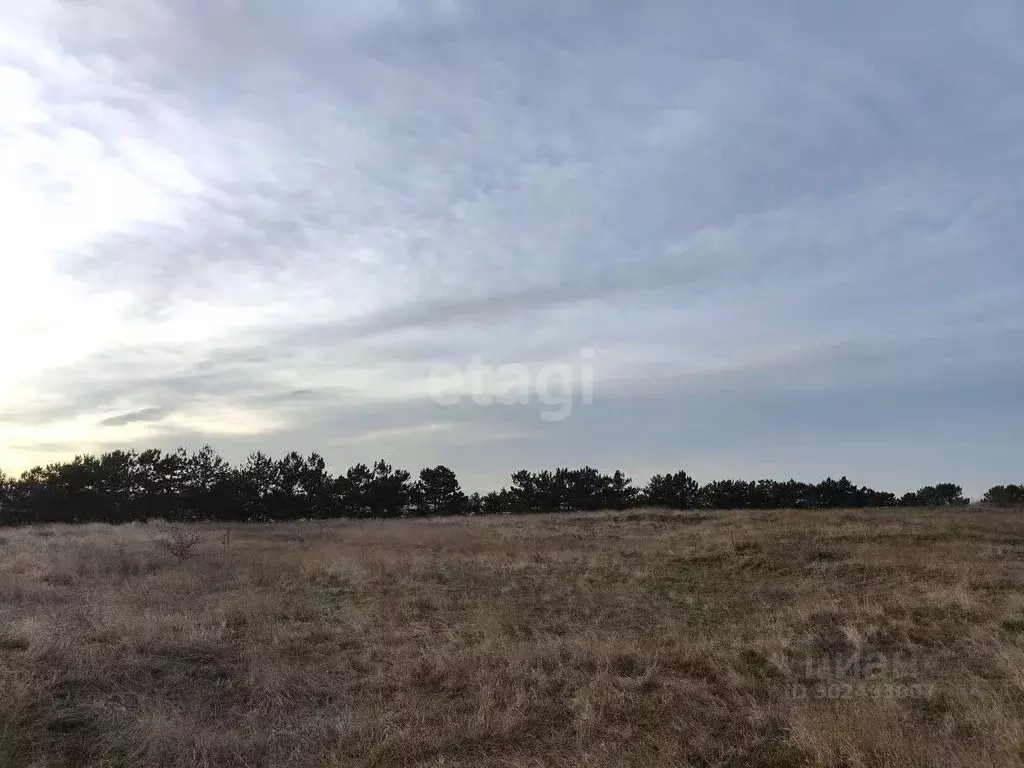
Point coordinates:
[(130, 486)]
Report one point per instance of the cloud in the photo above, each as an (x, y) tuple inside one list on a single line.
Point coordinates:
[(133, 417), (275, 222)]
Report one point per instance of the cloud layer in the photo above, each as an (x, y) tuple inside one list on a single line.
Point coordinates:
[(790, 237)]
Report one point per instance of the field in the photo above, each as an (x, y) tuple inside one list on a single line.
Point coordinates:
[(645, 638)]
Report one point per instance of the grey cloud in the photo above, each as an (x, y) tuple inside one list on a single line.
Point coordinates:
[(746, 213), (142, 415)]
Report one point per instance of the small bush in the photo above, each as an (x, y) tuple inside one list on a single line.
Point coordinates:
[(179, 541)]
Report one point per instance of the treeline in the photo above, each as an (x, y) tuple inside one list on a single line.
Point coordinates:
[(127, 486)]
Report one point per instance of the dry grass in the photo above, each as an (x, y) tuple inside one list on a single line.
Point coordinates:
[(627, 639)]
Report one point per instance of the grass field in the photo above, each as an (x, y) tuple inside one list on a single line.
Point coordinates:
[(866, 638)]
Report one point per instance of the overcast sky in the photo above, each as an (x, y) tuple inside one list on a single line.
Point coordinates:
[(789, 238)]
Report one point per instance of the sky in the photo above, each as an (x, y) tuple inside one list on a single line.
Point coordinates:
[(741, 240)]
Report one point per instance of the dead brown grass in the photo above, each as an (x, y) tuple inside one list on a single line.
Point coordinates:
[(621, 639)]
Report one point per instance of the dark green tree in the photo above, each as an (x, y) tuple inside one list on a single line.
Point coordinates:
[(378, 492), (303, 487), (675, 491), (1004, 496), (211, 489), (501, 502), (538, 492), (257, 486), (618, 491), (942, 495), (437, 492), (474, 503)]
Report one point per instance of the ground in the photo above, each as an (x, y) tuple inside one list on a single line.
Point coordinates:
[(645, 638)]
